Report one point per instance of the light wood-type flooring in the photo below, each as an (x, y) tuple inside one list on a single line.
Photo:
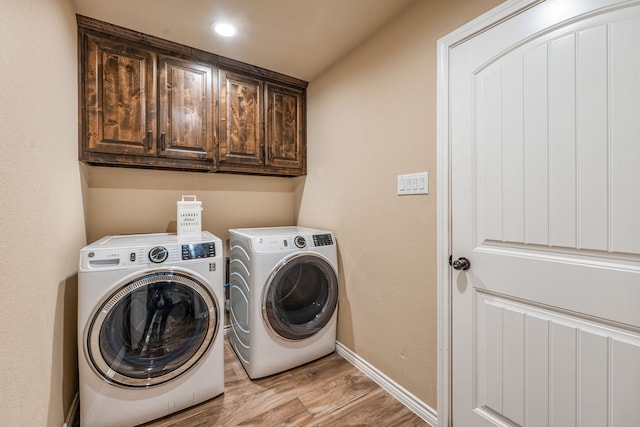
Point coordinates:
[(327, 392)]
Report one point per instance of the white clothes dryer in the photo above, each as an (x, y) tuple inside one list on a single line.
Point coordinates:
[(283, 297), (150, 317)]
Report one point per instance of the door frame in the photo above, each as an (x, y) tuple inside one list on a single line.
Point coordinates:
[(444, 273)]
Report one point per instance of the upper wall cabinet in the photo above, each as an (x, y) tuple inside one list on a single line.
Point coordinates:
[(241, 122), (144, 109), (146, 102), (118, 99), (186, 112), (262, 126), (286, 146)]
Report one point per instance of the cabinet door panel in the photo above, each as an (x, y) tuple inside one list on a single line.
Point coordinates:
[(241, 122), (186, 110), (285, 127), (119, 98)]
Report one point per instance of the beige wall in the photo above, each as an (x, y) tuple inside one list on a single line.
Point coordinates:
[(41, 215), (371, 117), (123, 201)]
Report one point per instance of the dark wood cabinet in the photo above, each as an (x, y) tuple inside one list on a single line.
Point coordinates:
[(142, 109), (285, 123), (147, 102), (241, 122), (118, 100), (186, 113), (262, 126)]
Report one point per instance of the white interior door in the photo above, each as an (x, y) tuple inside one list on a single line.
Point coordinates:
[(544, 134)]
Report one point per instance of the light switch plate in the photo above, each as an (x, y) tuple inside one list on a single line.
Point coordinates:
[(413, 183)]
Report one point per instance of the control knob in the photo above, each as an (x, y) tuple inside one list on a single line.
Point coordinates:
[(158, 254), (300, 241)]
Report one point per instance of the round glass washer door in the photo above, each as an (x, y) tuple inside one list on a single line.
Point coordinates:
[(153, 329), (300, 297)]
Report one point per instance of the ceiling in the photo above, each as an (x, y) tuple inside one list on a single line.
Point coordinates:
[(299, 38)]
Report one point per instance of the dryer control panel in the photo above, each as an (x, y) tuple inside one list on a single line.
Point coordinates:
[(284, 243), (322, 240)]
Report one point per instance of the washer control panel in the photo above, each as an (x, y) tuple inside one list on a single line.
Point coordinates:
[(159, 249), (198, 250)]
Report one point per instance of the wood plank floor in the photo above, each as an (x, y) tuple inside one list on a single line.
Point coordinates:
[(327, 392)]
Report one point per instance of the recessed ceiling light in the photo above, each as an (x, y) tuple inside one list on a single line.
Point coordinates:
[(224, 29)]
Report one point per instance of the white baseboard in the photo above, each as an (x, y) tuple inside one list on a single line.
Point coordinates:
[(72, 415), (417, 406)]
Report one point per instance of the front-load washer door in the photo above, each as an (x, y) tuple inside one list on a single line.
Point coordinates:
[(300, 296), (152, 329)]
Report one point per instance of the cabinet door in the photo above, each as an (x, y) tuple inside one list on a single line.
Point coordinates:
[(241, 122), (118, 99), (286, 146), (185, 123)]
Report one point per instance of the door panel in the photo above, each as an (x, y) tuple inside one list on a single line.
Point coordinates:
[(120, 105), (624, 131), (549, 129), (241, 120), (186, 110), (546, 361), (285, 127), (544, 125)]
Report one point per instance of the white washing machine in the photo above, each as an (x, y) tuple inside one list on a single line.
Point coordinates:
[(150, 326), (283, 297)]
